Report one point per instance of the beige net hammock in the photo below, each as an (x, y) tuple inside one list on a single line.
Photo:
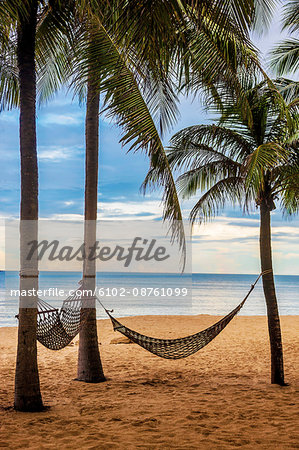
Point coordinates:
[(56, 328)]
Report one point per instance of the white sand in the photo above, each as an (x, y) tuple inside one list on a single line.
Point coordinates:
[(218, 398)]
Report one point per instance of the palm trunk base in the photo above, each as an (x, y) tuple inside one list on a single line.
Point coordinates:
[(27, 389), (90, 368), (26, 404)]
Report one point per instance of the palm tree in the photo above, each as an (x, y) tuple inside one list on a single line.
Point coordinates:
[(236, 161), (27, 388), (284, 58), (89, 361)]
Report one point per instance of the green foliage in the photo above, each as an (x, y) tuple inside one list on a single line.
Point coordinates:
[(242, 163), (291, 16), (284, 58)]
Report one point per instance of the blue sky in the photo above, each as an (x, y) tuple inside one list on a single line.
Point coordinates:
[(227, 245)]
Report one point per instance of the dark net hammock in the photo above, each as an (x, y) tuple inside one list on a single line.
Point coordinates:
[(176, 348), (56, 328)]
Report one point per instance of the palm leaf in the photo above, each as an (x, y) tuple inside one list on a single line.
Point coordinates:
[(132, 110), (284, 58), (263, 159), (228, 142), (9, 82), (213, 201), (291, 16), (205, 176)]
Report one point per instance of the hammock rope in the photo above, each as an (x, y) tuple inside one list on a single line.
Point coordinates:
[(182, 347), (56, 328)]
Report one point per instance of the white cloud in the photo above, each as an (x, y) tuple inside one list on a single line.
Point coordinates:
[(69, 203), (231, 245), (61, 119), (54, 153), (66, 217), (225, 245), (128, 210), (10, 117)]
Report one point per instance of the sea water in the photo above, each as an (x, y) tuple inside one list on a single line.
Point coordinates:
[(214, 294)]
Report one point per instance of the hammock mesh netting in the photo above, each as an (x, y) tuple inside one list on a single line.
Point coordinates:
[(56, 328), (176, 348)]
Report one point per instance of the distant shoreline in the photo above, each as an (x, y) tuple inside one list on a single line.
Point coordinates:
[(212, 294), (183, 317), (155, 273)]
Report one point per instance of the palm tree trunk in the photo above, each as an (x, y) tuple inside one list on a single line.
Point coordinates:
[(277, 372), (27, 388), (90, 367)]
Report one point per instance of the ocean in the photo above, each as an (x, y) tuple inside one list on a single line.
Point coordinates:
[(164, 294)]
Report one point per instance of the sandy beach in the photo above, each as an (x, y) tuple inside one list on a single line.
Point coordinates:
[(218, 398)]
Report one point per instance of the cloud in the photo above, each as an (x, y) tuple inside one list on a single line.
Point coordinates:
[(67, 217), (55, 153), (61, 119), (227, 246), (69, 203), (10, 117), (130, 209), (244, 223)]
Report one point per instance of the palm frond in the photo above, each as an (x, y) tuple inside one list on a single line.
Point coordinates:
[(228, 142), (192, 155), (291, 16), (262, 160), (12, 10), (205, 176), (263, 14), (289, 89), (284, 58), (287, 183), (214, 200), (125, 102), (9, 82), (213, 60), (55, 48), (162, 100)]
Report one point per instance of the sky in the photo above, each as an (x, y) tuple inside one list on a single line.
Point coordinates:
[(228, 244)]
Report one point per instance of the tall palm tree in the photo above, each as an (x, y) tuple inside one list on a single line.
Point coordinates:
[(284, 58), (27, 388), (235, 161), (89, 361)]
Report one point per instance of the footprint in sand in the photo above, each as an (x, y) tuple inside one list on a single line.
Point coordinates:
[(148, 421)]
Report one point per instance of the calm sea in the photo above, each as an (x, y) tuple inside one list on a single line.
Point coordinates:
[(211, 294)]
